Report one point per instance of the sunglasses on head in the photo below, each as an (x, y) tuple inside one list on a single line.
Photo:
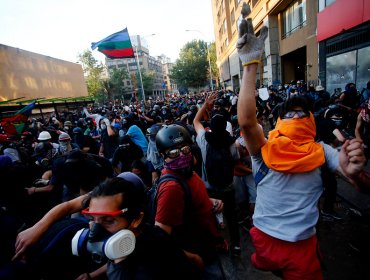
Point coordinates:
[(292, 113), (174, 153)]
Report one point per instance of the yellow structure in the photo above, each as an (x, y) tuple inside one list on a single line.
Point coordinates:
[(30, 75)]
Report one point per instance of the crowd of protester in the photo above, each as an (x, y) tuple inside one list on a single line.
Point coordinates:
[(101, 166), (64, 157)]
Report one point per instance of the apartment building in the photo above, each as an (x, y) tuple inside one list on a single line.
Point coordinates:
[(291, 48), (149, 64), (168, 83)]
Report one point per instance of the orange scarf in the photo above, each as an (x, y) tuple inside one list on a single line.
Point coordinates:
[(291, 146)]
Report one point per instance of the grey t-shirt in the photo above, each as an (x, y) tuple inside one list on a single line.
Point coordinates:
[(286, 204)]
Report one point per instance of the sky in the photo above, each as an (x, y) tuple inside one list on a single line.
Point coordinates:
[(65, 28)]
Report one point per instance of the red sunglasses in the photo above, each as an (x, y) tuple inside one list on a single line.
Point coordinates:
[(112, 213)]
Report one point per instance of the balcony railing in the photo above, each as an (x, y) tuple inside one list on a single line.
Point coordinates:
[(290, 32)]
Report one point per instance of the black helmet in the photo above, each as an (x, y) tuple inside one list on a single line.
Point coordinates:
[(171, 136)]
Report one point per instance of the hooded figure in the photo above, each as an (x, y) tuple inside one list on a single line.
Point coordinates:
[(218, 136)]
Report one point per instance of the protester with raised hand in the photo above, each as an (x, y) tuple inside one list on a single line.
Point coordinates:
[(286, 206)]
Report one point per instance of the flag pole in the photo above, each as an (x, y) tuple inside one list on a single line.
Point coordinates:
[(141, 79)]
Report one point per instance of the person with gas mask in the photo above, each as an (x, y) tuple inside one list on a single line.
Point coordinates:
[(117, 235), (197, 234)]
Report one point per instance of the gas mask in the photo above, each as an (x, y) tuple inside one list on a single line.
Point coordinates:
[(102, 245), (43, 161)]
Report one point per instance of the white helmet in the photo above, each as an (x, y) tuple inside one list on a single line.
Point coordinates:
[(44, 135)]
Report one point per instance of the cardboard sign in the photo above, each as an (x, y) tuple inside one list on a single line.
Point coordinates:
[(263, 93)]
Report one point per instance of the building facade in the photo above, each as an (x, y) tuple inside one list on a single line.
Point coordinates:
[(343, 33), (291, 48)]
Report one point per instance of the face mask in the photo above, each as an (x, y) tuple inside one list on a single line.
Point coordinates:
[(103, 126), (101, 244), (181, 162), (66, 128), (65, 146)]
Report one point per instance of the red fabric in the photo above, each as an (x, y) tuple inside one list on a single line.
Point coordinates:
[(170, 206), (297, 260)]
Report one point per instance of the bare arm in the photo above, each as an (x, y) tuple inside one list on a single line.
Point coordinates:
[(198, 117), (110, 131), (252, 132), (358, 128), (33, 234)]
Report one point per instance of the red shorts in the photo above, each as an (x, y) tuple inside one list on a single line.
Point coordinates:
[(296, 260)]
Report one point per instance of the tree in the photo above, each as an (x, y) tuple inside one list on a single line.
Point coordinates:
[(192, 68), (116, 80), (93, 70), (215, 72), (148, 81)]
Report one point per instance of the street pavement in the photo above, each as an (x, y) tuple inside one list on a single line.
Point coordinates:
[(345, 244)]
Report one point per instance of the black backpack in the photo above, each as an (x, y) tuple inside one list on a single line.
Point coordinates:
[(152, 194), (219, 167)]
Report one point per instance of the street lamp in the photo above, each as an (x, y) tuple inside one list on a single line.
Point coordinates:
[(209, 57)]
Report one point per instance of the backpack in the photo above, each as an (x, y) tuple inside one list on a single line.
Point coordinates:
[(152, 194), (219, 167)]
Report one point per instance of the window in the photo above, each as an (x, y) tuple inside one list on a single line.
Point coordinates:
[(294, 18), (324, 3), (232, 17), (128, 83), (224, 27)]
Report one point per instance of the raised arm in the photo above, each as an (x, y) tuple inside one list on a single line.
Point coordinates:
[(198, 117), (250, 49)]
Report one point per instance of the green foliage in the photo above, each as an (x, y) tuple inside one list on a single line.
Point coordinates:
[(116, 82), (191, 69), (93, 70), (148, 81), (215, 72)]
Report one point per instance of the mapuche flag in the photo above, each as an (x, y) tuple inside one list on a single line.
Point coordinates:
[(15, 124), (117, 45)]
